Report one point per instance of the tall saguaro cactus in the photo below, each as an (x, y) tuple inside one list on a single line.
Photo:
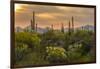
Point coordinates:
[(52, 27), (62, 27), (72, 24), (69, 28), (33, 22), (36, 27)]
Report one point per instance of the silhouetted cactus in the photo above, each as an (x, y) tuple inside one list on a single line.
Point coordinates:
[(69, 28), (33, 22), (52, 27), (36, 27), (72, 24), (82, 28), (62, 28)]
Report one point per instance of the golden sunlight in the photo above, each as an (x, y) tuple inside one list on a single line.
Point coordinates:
[(45, 15), (17, 7)]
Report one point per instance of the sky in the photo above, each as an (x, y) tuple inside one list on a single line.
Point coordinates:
[(46, 15)]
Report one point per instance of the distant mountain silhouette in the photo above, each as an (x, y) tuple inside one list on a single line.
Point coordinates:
[(87, 27), (18, 29), (42, 30), (28, 28), (39, 30)]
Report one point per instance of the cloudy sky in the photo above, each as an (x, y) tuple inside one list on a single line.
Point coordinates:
[(46, 15)]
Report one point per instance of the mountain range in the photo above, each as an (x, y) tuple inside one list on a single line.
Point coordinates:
[(42, 30)]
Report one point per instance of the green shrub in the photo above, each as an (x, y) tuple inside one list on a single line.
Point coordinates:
[(56, 54), (31, 39), (53, 38), (32, 58), (20, 51), (74, 52)]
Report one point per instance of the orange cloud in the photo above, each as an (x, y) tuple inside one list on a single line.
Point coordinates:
[(45, 15)]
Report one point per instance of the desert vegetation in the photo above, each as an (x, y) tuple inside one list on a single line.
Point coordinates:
[(54, 47)]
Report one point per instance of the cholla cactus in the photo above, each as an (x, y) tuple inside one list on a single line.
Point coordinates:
[(56, 54)]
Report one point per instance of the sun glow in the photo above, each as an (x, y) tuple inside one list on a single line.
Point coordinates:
[(17, 7)]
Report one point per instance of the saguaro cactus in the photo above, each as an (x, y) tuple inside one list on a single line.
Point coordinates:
[(62, 27), (69, 28), (72, 24), (33, 22), (52, 27), (36, 27)]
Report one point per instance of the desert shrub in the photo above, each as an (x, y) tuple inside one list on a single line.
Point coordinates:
[(20, 51), (32, 40), (53, 38), (75, 47), (56, 54), (86, 38), (33, 58), (74, 52), (54, 47)]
